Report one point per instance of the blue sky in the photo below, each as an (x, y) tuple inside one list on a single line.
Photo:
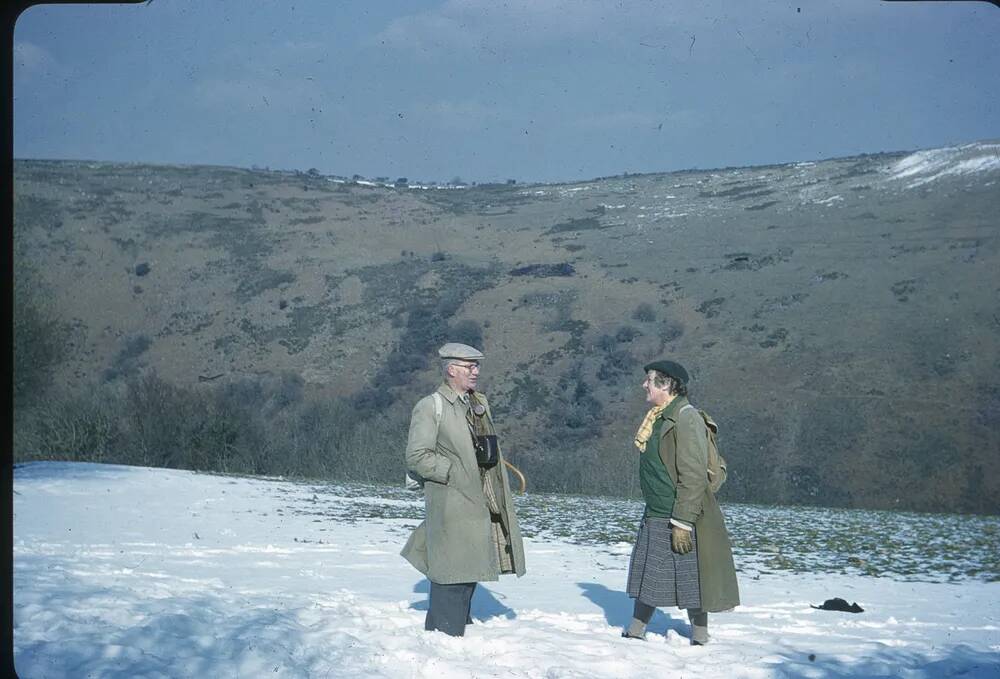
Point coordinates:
[(533, 90)]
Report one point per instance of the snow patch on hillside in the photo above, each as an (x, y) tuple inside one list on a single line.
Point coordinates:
[(927, 166)]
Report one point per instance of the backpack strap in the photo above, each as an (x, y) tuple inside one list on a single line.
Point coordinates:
[(409, 482), (438, 408)]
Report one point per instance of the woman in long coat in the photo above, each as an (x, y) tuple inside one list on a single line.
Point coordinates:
[(682, 556)]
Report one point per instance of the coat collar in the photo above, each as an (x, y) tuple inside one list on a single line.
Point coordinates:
[(448, 393), (670, 412)]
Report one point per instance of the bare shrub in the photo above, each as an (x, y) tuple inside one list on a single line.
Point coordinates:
[(76, 428), (257, 425), (40, 337), (373, 452), (161, 420)]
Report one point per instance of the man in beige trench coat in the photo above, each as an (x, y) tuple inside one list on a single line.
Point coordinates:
[(470, 532)]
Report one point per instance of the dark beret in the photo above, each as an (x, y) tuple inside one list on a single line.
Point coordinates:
[(675, 370)]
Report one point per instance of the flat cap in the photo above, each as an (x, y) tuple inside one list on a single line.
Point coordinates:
[(460, 351), (669, 368)]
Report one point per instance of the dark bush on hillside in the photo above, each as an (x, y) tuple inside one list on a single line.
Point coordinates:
[(400, 366), (448, 304), (428, 325), (423, 325), (671, 330), (467, 332), (644, 313), (544, 270), (528, 394), (134, 347), (585, 224), (424, 331), (575, 418), (616, 364), (372, 400), (626, 334), (606, 343), (126, 362)]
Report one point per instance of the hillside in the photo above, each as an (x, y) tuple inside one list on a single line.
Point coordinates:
[(839, 318)]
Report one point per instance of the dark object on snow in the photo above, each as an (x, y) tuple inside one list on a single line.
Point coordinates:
[(142, 269), (838, 604)]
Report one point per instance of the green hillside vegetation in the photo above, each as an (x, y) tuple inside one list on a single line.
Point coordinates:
[(840, 324)]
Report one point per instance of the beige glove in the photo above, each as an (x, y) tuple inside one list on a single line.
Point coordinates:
[(680, 540)]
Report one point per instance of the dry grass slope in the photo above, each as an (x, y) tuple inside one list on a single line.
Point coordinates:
[(839, 322)]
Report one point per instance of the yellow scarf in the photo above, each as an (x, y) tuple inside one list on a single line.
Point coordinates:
[(646, 428)]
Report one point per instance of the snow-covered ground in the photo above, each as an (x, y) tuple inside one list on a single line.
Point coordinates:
[(134, 572)]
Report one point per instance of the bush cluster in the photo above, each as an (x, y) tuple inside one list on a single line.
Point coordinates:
[(575, 418), (616, 362), (428, 324), (644, 313), (41, 340), (259, 425), (562, 269), (127, 361)]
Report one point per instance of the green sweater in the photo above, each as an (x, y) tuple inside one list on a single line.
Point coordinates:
[(657, 487)]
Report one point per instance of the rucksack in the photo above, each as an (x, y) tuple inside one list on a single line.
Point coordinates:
[(413, 483), (716, 463)]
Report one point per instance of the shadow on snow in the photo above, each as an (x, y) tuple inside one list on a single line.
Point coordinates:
[(617, 607), (485, 604)]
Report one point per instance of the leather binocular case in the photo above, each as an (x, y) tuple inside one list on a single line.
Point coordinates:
[(487, 450)]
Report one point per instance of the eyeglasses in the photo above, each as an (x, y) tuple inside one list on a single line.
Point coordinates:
[(471, 367)]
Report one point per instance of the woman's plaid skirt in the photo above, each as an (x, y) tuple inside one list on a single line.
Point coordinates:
[(657, 575)]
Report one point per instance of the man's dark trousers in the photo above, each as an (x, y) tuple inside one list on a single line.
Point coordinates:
[(448, 610)]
